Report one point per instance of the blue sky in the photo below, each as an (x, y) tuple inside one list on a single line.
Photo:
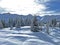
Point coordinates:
[(39, 7), (53, 5)]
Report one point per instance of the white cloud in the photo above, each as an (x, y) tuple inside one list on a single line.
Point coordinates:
[(43, 13), (41, 1), (22, 6)]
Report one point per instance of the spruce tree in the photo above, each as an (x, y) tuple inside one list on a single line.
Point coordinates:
[(40, 25), (47, 28), (1, 25), (34, 25), (11, 23), (21, 21), (59, 24), (18, 23), (3, 22), (54, 22)]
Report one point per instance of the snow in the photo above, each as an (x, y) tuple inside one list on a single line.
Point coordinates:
[(25, 37)]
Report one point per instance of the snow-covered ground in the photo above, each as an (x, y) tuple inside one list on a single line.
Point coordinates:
[(25, 37)]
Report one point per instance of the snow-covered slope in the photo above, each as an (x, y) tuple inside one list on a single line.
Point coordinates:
[(25, 37)]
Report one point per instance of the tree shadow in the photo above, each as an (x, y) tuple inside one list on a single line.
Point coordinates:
[(44, 37)]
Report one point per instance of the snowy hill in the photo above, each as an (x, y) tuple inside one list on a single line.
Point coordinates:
[(25, 37)]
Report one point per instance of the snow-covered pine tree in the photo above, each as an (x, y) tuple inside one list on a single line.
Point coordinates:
[(27, 21), (4, 23), (1, 25), (21, 21), (35, 25), (54, 22), (40, 25), (11, 23), (47, 28), (59, 24), (18, 23), (14, 22)]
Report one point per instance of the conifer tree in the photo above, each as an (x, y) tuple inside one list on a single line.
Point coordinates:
[(54, 22), (4, 23), (18, 23), (59, 24), (47, 28), (1, 25), (11, 23), (34, 25)]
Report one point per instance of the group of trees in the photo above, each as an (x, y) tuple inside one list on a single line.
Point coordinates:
[(15, 22), (36, 26)]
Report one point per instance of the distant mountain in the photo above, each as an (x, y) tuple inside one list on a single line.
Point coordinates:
[(7, 16), (47, 18)]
